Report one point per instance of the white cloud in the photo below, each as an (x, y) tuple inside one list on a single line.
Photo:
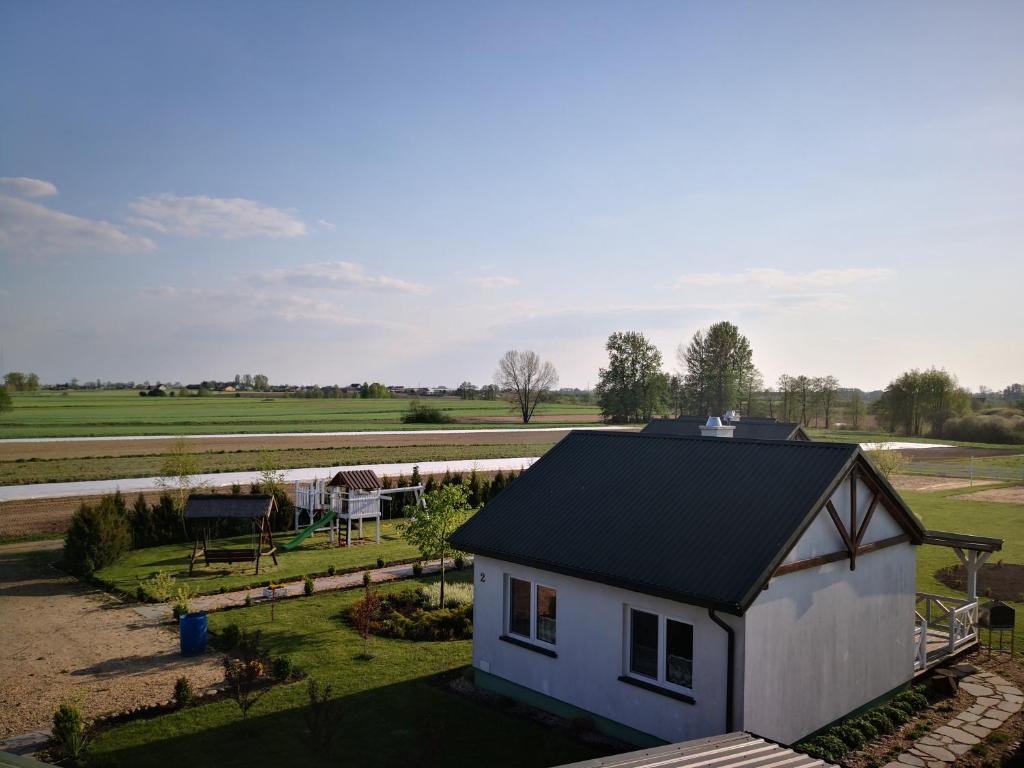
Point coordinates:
[(494, 281), (340, 275), (26, 187), (227, 218), (778, 279), (325, 224), (31, 229)]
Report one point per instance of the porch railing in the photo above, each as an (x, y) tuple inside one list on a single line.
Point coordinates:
[(951, 620)]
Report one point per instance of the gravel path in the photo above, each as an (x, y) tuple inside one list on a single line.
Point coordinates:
[(62, 640)]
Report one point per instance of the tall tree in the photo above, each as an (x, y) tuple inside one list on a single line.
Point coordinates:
[(633, 387), (527, 377), (716, 363), (828, 389), (855, 409), (803, 388), (919, 398)]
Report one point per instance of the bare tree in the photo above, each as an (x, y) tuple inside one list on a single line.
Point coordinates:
[(527, 377), (828, 388)]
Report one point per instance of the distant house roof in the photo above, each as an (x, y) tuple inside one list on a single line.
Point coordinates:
[(213, 505), (754, 429), (701, 520), (357, 480), (730, 750)]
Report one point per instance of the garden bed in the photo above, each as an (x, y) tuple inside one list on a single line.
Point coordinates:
[(416, 614), (1002, 581)]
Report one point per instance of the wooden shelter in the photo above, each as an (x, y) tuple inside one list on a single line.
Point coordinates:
[(205, 509)]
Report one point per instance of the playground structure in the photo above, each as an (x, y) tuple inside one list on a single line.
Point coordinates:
[(349, 497), (205, 509)]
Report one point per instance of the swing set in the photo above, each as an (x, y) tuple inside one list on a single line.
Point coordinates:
[(207, 509)]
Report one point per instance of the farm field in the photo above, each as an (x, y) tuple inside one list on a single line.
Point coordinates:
[(123, 412), (21, 471), (313, 557), (395, 709)]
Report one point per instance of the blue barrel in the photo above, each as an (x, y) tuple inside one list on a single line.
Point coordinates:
[(192, 631)]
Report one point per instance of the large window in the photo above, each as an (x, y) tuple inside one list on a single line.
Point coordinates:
[(531, 610), (659, 649)]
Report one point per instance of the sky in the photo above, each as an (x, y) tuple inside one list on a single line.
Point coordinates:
[(336, 192)]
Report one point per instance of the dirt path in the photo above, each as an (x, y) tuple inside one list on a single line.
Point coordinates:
[(63, 640), (1013, 494), (928, 483)]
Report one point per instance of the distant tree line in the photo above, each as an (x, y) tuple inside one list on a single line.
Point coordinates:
[(16, 381)]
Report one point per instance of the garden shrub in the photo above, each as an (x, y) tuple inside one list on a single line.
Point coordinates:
[(866, 727), (97, 537), (460, 562), (69, 731), (896, 715), (849, 734), (183, 694), (879, 719), (156, 524), (281, 668), (455, 595), (417, 569), (916, 701), (380, 562), (366, 578), (228, 638), (331, 570), (307, 586), (832, 749), (904, 706)]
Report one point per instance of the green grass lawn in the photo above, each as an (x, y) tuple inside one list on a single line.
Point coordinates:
[(22, 471), (393, 712), (314, 556), (112, 413), (944, 512), (865, 436)]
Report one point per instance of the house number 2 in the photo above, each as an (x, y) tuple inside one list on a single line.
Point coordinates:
[(483, 577)]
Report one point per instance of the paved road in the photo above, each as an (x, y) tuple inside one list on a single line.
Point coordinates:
[(258, 435), (135, 484)]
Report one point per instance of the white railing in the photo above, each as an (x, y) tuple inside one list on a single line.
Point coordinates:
[(952, 619), (356, 505)]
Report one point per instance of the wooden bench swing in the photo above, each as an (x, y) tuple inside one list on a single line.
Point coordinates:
[(205, 509)]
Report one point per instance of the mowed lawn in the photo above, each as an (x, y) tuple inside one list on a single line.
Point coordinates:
[(314, 556), (124, 412), (20, 471), (394, 711), (957, 512)]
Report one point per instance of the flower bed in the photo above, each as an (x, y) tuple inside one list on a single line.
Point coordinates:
[(408, 615)]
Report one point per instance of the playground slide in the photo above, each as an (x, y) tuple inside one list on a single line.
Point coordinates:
[(307, 532)]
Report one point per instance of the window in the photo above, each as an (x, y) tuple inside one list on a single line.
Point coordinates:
[(519, 607), (546, 614), (678, 653), (659, 650), (531, 610), (643, 651)]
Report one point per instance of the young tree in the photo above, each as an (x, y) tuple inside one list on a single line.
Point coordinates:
[(178, 471), (716, 363), (527, 377), (321, 717), (365, 612), (633, 387), (430, 527)]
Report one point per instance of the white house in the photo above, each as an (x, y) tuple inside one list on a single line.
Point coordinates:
[(674, 587)]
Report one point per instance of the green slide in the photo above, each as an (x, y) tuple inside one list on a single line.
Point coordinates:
[(307, 532)]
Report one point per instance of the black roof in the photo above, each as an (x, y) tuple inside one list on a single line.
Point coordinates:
[(214, 505), (701, 520), (751, 428)]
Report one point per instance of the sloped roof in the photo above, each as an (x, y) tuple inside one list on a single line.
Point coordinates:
[(730, 750), (701, 520), (357, 480), (213, 505), (753, 429)]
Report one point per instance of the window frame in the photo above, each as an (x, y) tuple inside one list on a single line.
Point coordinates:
[(661, 681), (532, 638)]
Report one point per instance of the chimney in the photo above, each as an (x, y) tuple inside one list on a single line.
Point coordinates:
[(715, 428)]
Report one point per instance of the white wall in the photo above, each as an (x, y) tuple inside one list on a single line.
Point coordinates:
[(590, 653), (824, 641)]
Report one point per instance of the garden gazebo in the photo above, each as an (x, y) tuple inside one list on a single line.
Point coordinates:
[(205, 509)]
